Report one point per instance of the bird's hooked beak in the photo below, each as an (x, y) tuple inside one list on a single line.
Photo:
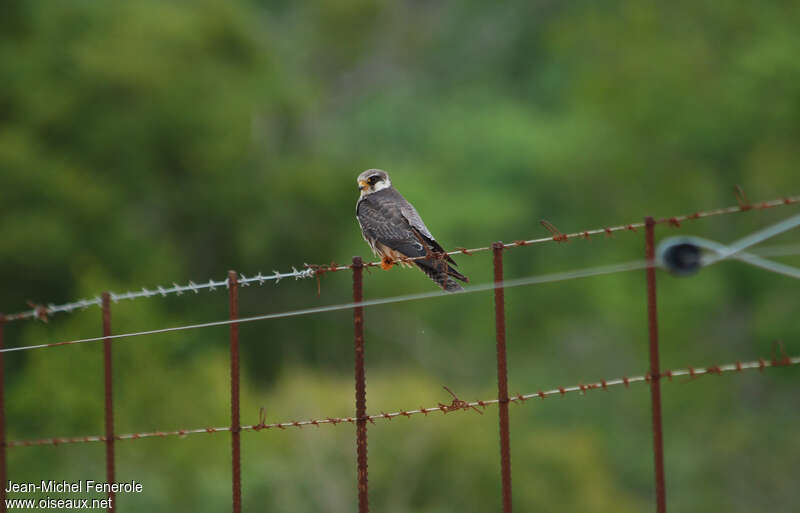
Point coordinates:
[(362, 185)]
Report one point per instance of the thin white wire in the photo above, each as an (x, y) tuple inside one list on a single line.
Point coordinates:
[(720, 249), (777, 250), (755, 238), (763, 263), (736, 249), (530, 280)]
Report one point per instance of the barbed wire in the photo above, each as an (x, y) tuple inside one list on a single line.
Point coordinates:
[(722, 252), (530, 280), (40, 312), (313, 270), (455, 405)]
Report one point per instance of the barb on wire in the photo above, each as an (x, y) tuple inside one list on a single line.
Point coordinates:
[(313, 270), (741, 198), (557, 235), (457, 404)]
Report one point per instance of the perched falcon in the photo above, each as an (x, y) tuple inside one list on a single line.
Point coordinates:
[(393, 229)]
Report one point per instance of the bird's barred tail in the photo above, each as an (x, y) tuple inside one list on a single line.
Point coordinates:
[(441, 273)]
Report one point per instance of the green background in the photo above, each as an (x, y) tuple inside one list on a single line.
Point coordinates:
[(146, 143)]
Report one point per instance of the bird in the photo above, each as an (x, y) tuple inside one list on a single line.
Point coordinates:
[(394, 230)]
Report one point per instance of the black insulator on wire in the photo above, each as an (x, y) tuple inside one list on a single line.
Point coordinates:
[(680, 257)]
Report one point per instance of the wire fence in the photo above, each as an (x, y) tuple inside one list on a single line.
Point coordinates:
[(455, 404), (43, 312), (361, 419)]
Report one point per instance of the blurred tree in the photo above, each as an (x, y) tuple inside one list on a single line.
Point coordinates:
[(150, 142)]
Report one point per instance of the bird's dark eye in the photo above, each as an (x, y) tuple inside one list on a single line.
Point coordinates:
[(374, 179)]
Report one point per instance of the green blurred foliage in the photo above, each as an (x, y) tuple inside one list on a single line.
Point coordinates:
[(150, 142)]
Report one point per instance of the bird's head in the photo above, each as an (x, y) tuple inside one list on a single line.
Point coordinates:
[(373, 180)]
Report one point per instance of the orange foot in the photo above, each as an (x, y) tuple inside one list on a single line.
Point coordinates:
[(386, 263)]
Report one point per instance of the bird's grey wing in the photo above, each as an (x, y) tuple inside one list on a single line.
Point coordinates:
[(414, 219), (382, 221)]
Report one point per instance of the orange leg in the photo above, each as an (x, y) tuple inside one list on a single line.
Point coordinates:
[(386, 263)]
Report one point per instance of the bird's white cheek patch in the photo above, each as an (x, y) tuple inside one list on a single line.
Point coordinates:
[(381, 186)]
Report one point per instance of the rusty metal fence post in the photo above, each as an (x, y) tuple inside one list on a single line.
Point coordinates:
[(361, 387), (655, 372), (502, 375), (3, 475), (109, 398), (233, 295)]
